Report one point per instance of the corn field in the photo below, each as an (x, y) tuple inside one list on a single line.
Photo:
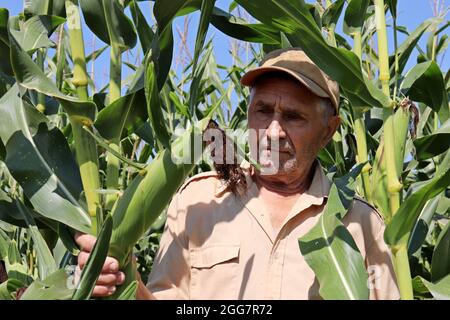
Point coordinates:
[(76, 157)]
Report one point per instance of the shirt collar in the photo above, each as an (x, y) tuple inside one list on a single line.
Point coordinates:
[(317, 191)]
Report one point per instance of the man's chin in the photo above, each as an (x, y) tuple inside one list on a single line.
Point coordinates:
[(270, 168)]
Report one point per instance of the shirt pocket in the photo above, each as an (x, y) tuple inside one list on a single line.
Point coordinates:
[(214, 271)]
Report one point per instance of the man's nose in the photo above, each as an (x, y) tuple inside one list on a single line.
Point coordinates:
[(275, 130)]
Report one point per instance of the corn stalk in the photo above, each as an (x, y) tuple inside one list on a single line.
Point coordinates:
[(115, 87), (394, 188), (86, 149), (360, 131)]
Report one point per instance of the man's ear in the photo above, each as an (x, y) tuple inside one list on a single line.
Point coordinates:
[(330, 129)]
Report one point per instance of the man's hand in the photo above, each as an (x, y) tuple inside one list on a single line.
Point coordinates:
[(110, 277)]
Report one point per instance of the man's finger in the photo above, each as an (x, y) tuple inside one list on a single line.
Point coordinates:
[(111, 265), (103, 291), (85, 241), (111, 279)]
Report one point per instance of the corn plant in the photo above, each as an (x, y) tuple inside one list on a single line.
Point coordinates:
[(74, 158)]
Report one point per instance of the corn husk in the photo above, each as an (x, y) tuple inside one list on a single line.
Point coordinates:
[(149, 193)]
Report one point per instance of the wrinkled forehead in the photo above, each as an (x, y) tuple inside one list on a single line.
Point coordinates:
[(287, 93)]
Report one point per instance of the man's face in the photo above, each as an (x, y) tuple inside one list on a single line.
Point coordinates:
[(290, 129)]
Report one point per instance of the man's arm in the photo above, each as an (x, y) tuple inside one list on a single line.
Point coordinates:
[(382, 280), (143, 293), (170, 275)]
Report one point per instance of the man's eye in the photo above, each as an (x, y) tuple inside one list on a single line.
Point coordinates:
[(264, 111), (293, 116)]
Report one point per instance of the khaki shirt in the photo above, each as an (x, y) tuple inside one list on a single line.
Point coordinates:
[(218, 245)]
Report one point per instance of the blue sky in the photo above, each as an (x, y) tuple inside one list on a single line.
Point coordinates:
[(410, 14)]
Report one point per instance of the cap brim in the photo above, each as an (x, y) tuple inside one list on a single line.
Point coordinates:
[(250, 77)]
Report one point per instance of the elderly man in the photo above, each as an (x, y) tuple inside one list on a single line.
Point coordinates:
[(220, 244)]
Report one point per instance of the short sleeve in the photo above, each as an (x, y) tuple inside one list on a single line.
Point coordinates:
[(381, 282), (170, 275)]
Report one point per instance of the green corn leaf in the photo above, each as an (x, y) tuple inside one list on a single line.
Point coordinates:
[(239, 29), (329, 248), (331, 15), (399, 229), (130, 292), (5, 63), (422, 225), (189, 7), (138, 81), (9, 212), (107, 20), (180, 107), (45, 262), (355, 15), (29, 75), (392, 4), (4, 17), (127, 113), (145, 33), (4, 244), (145, 133), (44, 7), (120, 28), (57, 286), (440, 263), (94, 15), (442, 44), (94, 265), (39, 158), (420, 290), (425, 83), (15, 266), (2, 151), (165, 11), (8, 289), (340, 64), (440, 290), (194, 90), (406, 48), (205, 17), (94, 55), (165, 54), (235, 26), (154, 109), (103, 143), (66, 235), (433, 144), (35, 32)]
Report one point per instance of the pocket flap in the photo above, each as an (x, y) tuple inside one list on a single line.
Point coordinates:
[(210, 256)]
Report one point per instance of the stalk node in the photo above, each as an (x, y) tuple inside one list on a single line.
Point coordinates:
[(395, 187), (142, 172), (41, 108), (367, 167), (80, 82), (87, 124)]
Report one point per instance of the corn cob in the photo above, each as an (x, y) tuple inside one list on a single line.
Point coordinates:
[(148, 194)]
